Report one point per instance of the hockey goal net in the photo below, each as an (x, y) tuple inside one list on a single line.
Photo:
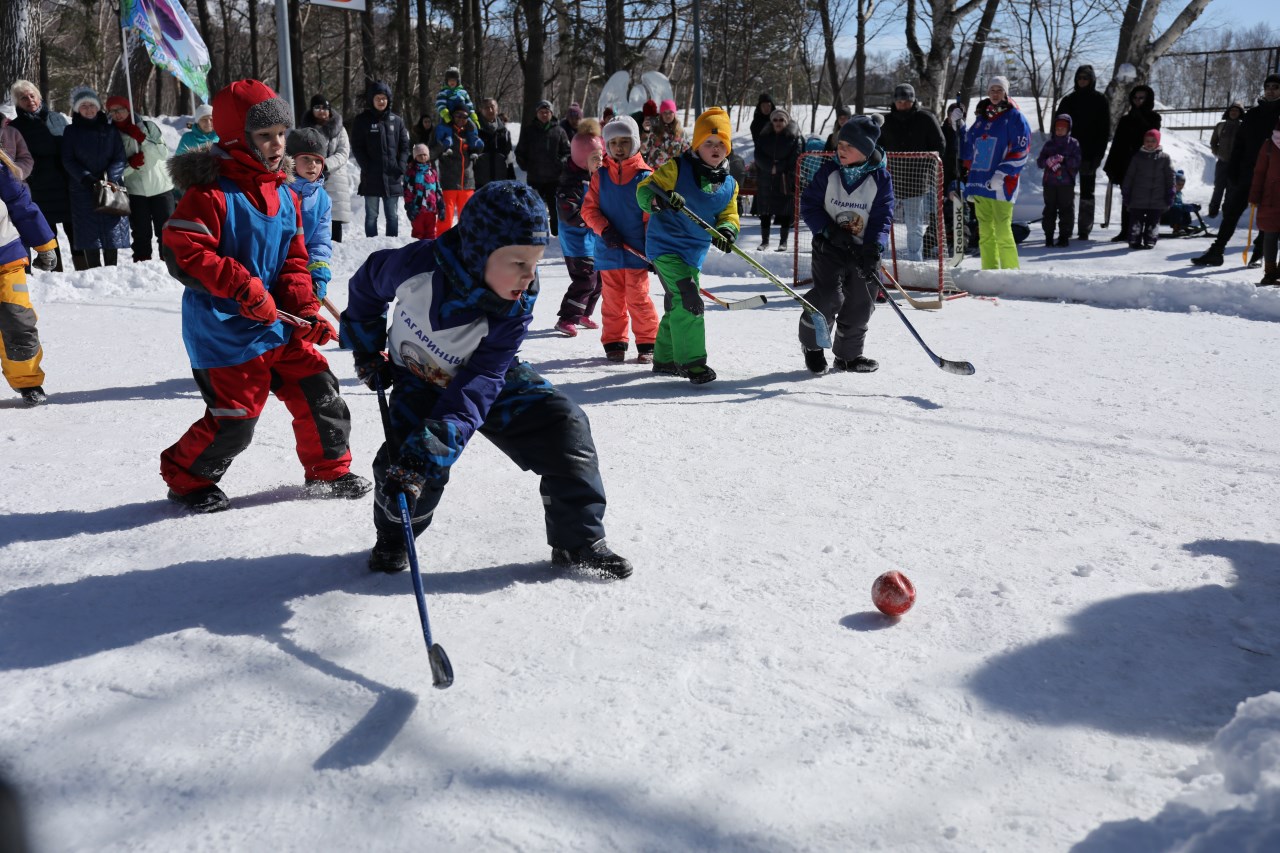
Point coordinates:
[(921, 248)]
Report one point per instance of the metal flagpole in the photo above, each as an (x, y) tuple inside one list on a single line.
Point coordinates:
[(124, 61), (286, 63), (697, 57)]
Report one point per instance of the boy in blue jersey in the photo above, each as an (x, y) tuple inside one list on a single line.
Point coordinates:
[(698, 179), (463, 304), (236, 242), (849, 208), (307, 148)]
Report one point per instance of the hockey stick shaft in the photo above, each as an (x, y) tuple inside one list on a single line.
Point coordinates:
[(1249, 239), (441, 669), (1106, 207), (749, 302), (821, 330), (960, 368), (331, 308)]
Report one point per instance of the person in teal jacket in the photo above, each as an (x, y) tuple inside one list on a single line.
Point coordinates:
[(996, 150), (201, 132), (698, 179)]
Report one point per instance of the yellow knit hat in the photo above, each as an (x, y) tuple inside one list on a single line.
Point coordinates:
[(714, 122)]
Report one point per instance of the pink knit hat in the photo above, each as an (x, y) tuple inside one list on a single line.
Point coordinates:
[(667, 106), (1152, 132), (581, 146)]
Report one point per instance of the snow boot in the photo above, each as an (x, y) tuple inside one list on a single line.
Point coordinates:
[(389, 554), (567, 328), (1255, 262), (816, 361), (700, 374), (616, 351), (1048, 239), (208, 499), (644, 353), (33, 396), (861, 364), (588, 323), (594, 557), (1063, 242), (1211, 258), (666, 368), (349, 485), (1270, 276)]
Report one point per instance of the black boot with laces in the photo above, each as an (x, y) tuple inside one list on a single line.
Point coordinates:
[(595, 557)]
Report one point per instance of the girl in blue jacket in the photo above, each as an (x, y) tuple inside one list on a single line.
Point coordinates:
[(463, 304), (996, 150)]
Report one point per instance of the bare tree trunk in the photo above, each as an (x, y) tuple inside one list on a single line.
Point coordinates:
[(970, 75), (829, 51), (477, 70), (217, 71), (866, 8), (534, 55), (297, 60), (347, 105), (424, 62), (15, 42), (255, 62), (225, 8), (931, 66), (368, 49), (615, 33), (404, 47), (1137, 48)]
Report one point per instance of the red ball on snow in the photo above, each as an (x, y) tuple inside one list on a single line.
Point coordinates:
[(893, 593)]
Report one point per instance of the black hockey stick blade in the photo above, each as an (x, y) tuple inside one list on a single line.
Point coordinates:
[(441, 669)]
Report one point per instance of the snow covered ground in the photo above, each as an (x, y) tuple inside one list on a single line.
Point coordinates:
[(1089, 520)]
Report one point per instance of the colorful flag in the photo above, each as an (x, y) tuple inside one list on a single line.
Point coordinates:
[(171, 39), (349, 5)]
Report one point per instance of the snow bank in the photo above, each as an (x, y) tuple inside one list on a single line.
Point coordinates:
[(1231, 802)]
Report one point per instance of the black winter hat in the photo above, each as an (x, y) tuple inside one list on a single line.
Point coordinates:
[(305, 140), (379, 87), (319, 101), (843, 111), (862, 132)]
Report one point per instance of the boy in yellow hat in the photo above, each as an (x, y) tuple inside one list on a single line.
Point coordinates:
[(698, 179)]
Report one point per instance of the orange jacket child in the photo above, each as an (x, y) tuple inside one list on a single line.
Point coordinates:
[(611, 211)]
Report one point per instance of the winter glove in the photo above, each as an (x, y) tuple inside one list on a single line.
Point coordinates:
[(1054, 162), (724, 242), (673, 201), (405, 477), (319, 332), (996, 184), (868, 260), (612, 238), (839, 239), (374, 370), (448, 152), (137, 160), (46, 260), (690, 297), (256, 303), (321, 275)]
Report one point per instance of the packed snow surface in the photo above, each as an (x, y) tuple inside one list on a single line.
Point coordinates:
[(1089, 522)]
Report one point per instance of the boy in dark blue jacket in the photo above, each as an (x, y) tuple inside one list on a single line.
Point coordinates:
[(463, 304)]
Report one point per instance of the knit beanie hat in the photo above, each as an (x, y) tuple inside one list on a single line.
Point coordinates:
[(306, 140), (1151, 132), (650, 108), (623, 126), (714, 122), (904, 92), (80, 94), (1179, 176), (780, 112), (1001, 81), (574, 111), (545, 105), (843, 112), (452, 74), (862, 132), (1273, 77), (319, 101), (582, 146), (118, 101), (202, 111), (667, 106), (501, 213)]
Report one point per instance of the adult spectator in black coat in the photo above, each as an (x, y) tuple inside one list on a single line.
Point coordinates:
[(42, 130), (1255, 130), (909, 129), (380, 144), (760, 119), (1090, 113), (541, 152), (92, 151), (843, 114), (1133, 126), (494, 163), (777, 150)]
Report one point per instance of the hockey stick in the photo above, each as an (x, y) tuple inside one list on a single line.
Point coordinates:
[(1249, 239), (441, 669), (821, 331), (732, 305), (960, 368), (1106, 206), (918, 304), (330, 306)]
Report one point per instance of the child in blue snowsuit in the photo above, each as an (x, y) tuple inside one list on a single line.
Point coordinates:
[(463, 304), (307, 148), (451, 93)]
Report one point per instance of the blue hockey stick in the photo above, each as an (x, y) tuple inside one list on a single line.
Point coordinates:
[(441, 669)]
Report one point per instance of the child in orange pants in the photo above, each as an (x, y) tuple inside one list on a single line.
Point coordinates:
[(611, 211)]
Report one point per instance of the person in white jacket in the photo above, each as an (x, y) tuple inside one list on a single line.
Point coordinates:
[(146, 176)]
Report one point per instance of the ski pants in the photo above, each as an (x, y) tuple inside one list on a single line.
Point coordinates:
[(1059, 209), (1088, 179), (234, 397), (1219, 186), (1144, 226), (454, 201), (20, 351), (995, 233), (584, 290), (423, 224), (1234, 206), (625, 302), (682, 334), (536, 426), (147, 216), (846, 297)]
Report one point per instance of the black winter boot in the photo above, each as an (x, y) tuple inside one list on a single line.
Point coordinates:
[(33, 396), (1211, 258), (861, 364), (666, 368), (389, 554), (208, 499), (594, 557), (699, 374), (816, 361), (349, 485)]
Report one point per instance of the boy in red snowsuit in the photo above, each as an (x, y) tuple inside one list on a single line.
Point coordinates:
[(236, 242)]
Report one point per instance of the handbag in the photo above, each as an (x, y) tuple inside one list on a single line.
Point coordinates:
[(110, 199)]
